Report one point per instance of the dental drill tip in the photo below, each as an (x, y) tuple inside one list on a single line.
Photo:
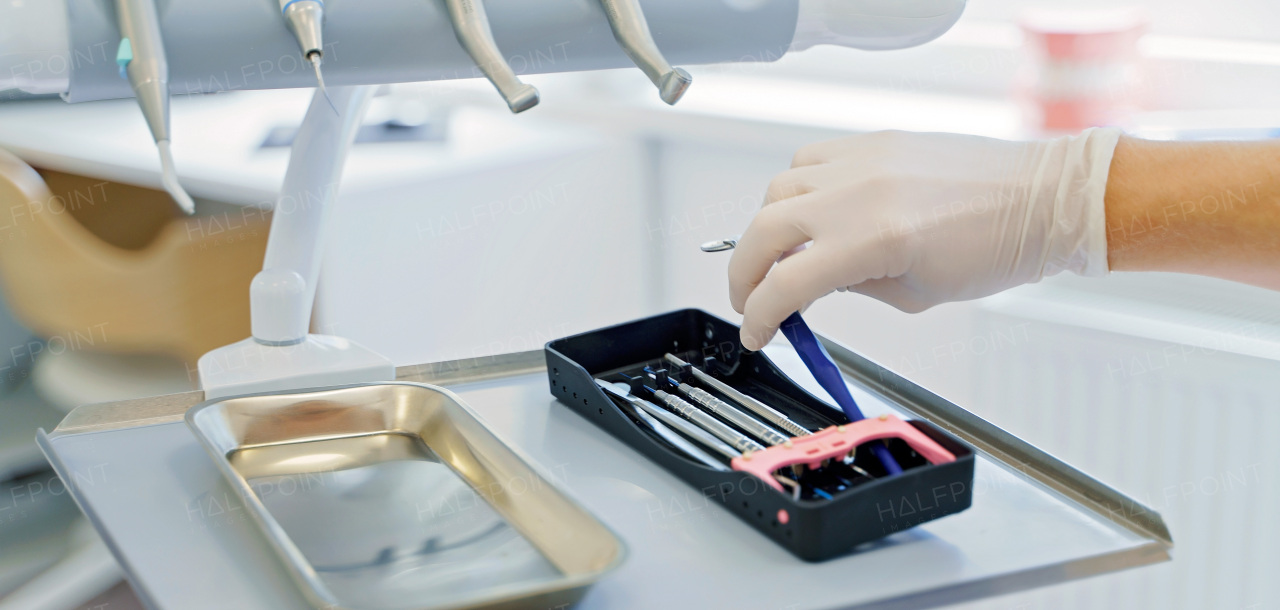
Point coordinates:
[(673, 84), (522, 99), (169, 178), (314, 58)]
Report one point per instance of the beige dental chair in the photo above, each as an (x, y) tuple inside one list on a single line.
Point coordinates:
[(100, 266), (127, 294)]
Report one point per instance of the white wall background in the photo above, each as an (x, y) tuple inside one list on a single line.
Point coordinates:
[(1239, 19)]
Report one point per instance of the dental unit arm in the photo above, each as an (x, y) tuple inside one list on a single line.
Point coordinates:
[(282, 354), (269, 44), (244, 44)]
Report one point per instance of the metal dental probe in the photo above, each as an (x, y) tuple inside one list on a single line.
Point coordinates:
[(670, 419), (720, 245), (142, 60), (759, 408), (621, 390), (305, 19), (727, 411), (738, 440), (666, 433), (314, 58), (742, 420)]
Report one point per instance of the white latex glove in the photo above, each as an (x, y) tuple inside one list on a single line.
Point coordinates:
[(918, 219)]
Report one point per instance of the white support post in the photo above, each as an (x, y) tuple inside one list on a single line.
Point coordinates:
[(281, 354)]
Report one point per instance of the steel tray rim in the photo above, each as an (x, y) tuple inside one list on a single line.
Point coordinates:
[(300, 569)]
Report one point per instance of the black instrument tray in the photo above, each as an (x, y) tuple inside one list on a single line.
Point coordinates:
[(813, 529)]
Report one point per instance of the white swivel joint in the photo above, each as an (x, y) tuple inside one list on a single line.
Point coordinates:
[(281, 306)]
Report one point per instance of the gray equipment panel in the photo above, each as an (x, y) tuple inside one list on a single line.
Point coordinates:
[(244, 44)]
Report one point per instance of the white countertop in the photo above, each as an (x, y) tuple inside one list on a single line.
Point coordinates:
[(217, 141)]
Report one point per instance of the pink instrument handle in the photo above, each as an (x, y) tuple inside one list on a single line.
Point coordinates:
[(837, 441)]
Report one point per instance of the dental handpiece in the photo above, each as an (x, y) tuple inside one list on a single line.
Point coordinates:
[(670, 419), (631, 30), (736, 439), (142, 60), (305, 19), (471, 26), (727, 411), (755, 406), (666, 433)]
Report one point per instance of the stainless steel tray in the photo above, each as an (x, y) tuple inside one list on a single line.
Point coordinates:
[(397, 496), (154, 494)]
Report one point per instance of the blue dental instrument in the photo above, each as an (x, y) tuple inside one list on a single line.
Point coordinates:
[(819, 363)]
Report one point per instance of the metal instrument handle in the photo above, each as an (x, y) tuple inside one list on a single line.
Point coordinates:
[(738, 440), (738, 418)]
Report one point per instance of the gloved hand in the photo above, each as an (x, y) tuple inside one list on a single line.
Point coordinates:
[(918, 219)]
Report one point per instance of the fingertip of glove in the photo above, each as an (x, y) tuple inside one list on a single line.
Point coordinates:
[(749, 340)]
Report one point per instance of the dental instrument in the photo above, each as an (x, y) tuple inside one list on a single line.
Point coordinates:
[(631, 30), (621, 391), (819, 363), (794, 485), (727, 411), (471, 26), (719, 245), (832, 444), (661, 430), (736, 439), (648, 411), (759, 408), (141, 59), (305, 19), (742, 448), (794, 460)]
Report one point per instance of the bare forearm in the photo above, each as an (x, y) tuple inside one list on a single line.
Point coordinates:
[(1208, 208)]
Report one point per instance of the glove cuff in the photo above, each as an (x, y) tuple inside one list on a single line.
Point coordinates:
[(1100, 147), (1078, 234)]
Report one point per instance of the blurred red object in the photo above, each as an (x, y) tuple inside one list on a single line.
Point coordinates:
[(1083, 67)]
